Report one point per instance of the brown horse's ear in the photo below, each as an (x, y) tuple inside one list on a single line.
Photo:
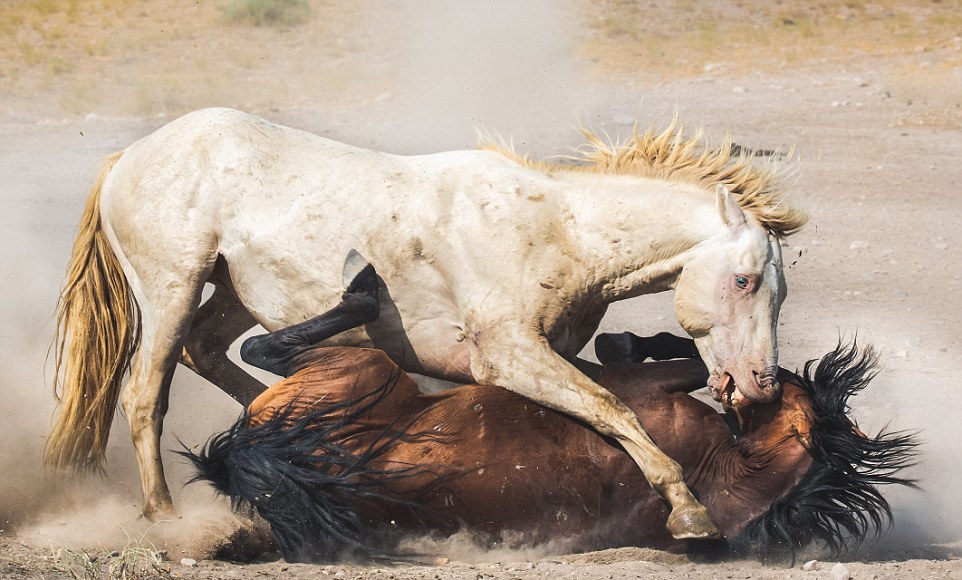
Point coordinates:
[(731, 213), (856, 431), (805, 438)]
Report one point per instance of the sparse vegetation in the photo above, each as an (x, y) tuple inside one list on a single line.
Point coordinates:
[(268, 12), (166, 57), (161, 57), (633, 37), (139, 559)]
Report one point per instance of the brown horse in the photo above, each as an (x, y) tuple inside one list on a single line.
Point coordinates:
[(346, 456)]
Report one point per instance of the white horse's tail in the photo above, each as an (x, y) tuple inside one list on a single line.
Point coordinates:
[(98, 330)]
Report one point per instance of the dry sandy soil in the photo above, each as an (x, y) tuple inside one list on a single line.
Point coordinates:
[(870, 94)]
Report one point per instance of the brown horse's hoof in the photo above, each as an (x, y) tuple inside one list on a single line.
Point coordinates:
[(692, 523)]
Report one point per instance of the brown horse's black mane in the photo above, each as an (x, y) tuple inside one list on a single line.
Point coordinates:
[(837, 503)]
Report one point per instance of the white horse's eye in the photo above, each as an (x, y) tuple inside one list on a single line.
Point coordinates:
[(741, 282)]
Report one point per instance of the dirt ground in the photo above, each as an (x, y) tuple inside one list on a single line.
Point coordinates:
[(869, 94)]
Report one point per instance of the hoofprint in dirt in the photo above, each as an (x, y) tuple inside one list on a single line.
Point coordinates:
[(879, 141)]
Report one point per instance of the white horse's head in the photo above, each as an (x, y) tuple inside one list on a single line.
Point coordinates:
[(727, 298)]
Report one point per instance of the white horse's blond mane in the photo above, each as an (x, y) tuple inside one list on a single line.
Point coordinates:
[(670, 155)]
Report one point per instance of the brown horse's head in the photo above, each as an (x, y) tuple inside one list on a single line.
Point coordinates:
[(836, 501), (772, 455), (797, 471)]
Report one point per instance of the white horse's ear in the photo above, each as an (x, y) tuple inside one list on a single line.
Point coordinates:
[(731, 213), (353, 265)]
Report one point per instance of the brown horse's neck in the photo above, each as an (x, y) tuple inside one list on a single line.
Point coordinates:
[(737, 479)]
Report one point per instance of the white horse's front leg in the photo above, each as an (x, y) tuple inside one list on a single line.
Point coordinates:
[(525, 364)]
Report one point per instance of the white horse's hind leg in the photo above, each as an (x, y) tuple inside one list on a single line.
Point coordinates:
[(166, 308), (543, 376)]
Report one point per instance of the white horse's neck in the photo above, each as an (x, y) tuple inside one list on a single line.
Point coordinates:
[(636, 234)]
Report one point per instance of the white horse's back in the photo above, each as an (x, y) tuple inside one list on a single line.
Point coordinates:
[(284, 207)]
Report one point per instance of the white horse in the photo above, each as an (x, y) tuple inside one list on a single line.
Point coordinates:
[(492, 269)]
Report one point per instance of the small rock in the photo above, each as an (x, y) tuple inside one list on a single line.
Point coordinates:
[(941, 246), (739, 90), (115, 554), (189, 562), (840, 572), (810, 565), (903, 354), (858, 245)]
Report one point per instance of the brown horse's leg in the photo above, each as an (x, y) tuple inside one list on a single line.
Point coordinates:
[(277, 352), (216, 325), (545, 377), (627, 347)]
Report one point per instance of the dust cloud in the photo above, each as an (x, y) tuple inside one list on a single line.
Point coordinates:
[(454, 68), (469, 66)]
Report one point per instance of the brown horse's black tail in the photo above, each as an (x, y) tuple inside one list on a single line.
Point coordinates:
[(304, 481)]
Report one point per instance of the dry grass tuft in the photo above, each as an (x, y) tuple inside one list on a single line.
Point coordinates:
[(268, 12), (138, 559)]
